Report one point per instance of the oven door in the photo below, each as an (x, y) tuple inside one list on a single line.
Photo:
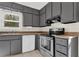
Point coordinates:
[(46, 43)]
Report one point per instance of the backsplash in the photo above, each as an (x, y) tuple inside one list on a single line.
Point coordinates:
[(19, 29), (72, 27)]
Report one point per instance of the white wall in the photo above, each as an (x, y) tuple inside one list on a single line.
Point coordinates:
[(72, 27)]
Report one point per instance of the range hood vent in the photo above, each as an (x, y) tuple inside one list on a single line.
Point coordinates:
[(53, 20)]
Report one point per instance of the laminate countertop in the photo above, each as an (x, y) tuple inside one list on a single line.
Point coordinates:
[(68, 35), (24, 33), (65, 36)]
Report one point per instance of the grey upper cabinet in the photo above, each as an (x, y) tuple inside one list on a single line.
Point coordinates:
[(4, 48), (48, 10), (34, 11), (17, 7), (16, 46), (56, 8), (67, 15), (5, 5), (11, 6), (76, 11), (27, 9), (42, 20), (43, 10), (27, 19), (35, 22), (43, 17)]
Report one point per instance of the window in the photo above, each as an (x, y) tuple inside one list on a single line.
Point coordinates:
[(11, 20)]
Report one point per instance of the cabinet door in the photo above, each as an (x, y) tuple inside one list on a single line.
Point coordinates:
[(48, 11), (16, 46), (58, 54), (35, 20), (67, 12), (27, 9), (55, 8), (43, 10), (5, 5), (76, 11), (37, 42), (42, 20), (17, 7), (4, 48), (34, 11), (27, 19)]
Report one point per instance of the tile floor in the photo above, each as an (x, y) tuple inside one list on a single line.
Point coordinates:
[(34, 53)]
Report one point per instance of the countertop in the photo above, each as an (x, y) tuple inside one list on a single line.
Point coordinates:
[(66, 35), (24, 33)]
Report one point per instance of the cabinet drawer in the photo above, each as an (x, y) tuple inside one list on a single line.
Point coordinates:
[(61, 49), (9, 37), (61, 41), (44, 53), (57, 54)]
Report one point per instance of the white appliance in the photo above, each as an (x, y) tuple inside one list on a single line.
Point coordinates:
[(28, 43)]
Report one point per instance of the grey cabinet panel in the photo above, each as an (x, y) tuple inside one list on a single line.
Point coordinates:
[(37, 42), (16, 7), (43, 17), (4, 48), (62, 49), (15, 46), (27, 19), (42, 20), (27, 9), (34, 11), (57, 54), (35, 20), (48, 11), (76, 11), (67, 12), (43, 10), (61, 41), (5, 5), (55, 8), (9, 37)]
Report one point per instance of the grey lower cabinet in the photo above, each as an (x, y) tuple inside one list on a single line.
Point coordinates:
[(27, 19), (16, 46), (67, 14), (35, 21), (10, 45), (66, 47), (4, 48), (37, 42)]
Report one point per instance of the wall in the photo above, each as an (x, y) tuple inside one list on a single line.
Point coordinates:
[(72, 27)]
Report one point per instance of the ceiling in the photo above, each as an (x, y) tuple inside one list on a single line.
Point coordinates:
[(35, 5)]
